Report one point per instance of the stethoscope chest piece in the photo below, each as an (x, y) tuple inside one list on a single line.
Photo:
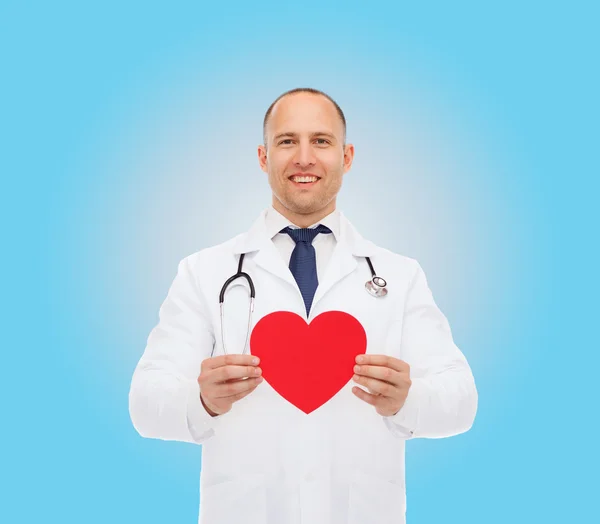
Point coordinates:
[(377, 287)]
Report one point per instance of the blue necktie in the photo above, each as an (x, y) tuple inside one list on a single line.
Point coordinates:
[(303, 264)]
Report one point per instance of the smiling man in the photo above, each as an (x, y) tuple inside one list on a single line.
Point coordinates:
[(310, 424), (305, 136)]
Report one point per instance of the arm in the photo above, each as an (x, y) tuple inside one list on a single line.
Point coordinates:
[(442, 399), (164, 399)]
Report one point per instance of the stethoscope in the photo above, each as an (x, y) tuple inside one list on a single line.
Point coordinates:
[(375, 287)]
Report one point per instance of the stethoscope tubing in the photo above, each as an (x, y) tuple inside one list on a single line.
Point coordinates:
[(375, 287)]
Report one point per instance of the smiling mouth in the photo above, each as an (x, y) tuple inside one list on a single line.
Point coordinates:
[(305, 185)]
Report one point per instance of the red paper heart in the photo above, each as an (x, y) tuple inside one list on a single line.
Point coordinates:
[(307, 364)]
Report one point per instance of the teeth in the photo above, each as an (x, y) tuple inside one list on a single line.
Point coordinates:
[(304, 179)]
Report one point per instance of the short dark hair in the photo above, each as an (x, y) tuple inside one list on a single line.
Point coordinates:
[(302, 90)]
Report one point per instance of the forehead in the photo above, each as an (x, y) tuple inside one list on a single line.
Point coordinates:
[(305, 112)]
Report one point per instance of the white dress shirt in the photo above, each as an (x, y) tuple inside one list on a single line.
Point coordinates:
[(324, 244)]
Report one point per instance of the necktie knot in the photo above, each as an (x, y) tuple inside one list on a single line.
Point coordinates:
[(305, 234)]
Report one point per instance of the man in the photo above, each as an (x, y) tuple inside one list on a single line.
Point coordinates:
[(319, 439)]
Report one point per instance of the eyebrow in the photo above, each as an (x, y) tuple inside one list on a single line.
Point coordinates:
[(295, 135)]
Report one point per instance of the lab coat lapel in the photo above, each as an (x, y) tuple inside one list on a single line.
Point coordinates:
[(270, 260), (349, 245), (341, 264), (257, 239)]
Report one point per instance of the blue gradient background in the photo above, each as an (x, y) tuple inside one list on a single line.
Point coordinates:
[(124, 129)]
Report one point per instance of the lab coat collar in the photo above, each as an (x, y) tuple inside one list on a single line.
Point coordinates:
[(349, 245), (257, 237), (275, 222)]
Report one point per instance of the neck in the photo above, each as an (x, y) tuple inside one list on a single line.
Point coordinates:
[(304, 219)]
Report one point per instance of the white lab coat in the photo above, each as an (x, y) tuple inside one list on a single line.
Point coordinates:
[(266, 461)]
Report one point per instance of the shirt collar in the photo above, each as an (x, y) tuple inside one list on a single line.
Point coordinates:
[(275, 222), (256, 238)]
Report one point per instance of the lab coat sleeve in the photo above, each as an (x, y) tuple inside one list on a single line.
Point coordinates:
[(164, 398), (442, 399)]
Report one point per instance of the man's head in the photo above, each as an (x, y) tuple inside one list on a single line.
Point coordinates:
[(305, 133)]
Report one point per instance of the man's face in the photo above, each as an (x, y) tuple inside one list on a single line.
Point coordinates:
[(305, 136)]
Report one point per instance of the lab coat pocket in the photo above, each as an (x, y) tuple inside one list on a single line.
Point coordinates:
[(242, 499), (373, 499)]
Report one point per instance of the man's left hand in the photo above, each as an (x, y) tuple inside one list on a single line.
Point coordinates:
[(387, 379)]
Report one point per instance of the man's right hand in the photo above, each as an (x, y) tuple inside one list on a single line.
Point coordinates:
[(226, 379)]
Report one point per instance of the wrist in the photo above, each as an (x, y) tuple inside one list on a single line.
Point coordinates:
[(208, 410)]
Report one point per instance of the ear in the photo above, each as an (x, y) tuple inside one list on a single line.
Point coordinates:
[(262, 157), (348, 157)]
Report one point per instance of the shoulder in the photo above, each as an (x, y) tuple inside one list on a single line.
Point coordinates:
[(211, 255), (395, 261), (385, 258)]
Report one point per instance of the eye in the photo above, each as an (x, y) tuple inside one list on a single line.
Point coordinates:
[(286, 140), (323, 140)]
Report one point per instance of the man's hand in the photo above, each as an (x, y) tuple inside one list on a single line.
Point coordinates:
[(387, 379), (225, 379)]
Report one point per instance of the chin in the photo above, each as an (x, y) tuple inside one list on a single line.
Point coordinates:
[(300, 207)]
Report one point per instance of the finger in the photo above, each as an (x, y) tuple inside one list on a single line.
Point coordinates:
[(233, 373), (374, 400), (381, 373), (375, 385), (383, 360), (248, 386), (230, 389), (226, 374), (238, 396), (230, 360)]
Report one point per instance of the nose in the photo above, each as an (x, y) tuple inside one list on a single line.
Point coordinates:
[(304, 156)]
